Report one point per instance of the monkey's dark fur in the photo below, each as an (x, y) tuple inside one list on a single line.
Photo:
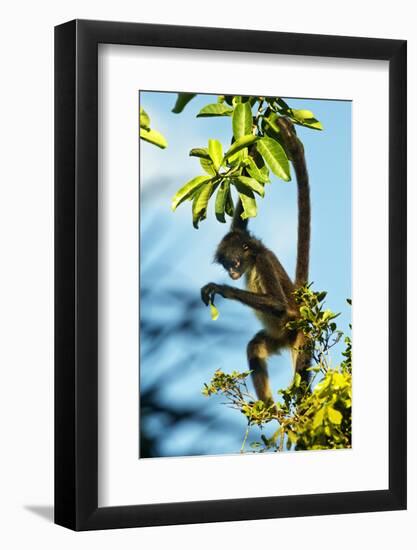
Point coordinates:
[(269, 288)]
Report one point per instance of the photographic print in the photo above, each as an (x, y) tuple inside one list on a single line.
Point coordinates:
[(245, 274), (203, 274)]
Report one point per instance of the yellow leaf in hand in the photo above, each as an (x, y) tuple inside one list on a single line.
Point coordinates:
[(214, 312)]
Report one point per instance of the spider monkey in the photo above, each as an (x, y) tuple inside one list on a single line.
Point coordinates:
[(269, 288)]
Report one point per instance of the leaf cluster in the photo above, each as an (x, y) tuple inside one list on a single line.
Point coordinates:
[(256, 150), (325, 416), (317, 324), (309, 416), (147, 133)]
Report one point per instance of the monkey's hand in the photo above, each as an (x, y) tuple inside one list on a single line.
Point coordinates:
[(209, 291)]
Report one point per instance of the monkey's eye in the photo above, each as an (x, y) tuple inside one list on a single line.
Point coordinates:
[(245, 246)]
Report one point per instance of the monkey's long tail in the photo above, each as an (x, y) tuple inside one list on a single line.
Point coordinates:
[(295, 150), (237, 223), (304, 218)]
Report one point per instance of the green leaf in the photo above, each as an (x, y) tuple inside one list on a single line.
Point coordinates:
[(338, 380), (249, 205), (234, 161), (221, 198), (205, 160), (251, 183), (187, 190), (292, 436), (282, 105), (335, 416), (301, 114), (200, 203), (275, 157), (154, 137), (312, 123), (242, 120), (215, 109), (214, 312), (239, 144), (257, 169), (200, 152), (321, 296), (216, 152), (144, 120), (248, 200), (230, 207), (207, 166), (270, 123), (297, 379), (182, 100), (305, 118), (328, 315), (318, 418)]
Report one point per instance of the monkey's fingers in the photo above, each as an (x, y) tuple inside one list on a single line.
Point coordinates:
[(206, 295), (208, 292)]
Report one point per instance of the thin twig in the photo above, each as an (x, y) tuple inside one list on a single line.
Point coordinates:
[(242, 449)]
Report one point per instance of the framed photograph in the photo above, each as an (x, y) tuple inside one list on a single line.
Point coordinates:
[(230, 253)]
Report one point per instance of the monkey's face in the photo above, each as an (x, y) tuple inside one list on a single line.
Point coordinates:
[(234, 267), (234, 254)]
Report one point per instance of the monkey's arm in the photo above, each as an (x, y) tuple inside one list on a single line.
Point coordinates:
[(272, 301), (260, 302)]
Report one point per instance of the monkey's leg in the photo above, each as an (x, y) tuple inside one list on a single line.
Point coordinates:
[(259, 349)]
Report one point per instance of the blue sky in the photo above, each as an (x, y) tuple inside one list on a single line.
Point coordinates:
[(168, 239)]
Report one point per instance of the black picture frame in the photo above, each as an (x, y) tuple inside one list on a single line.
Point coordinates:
[(76, 272)]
